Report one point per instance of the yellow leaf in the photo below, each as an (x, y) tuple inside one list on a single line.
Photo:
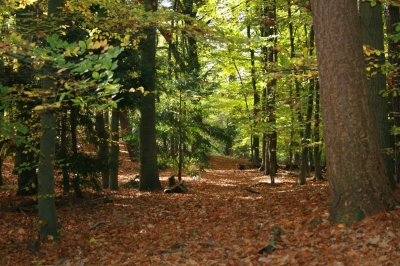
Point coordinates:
[(92, 240), (38, 108)]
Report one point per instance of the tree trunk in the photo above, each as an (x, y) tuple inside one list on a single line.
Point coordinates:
[(372, 37), (149, 179), (64, 152), (357, 176), (114, 151), (392, 14), (317, 156), (103, 153), (126, 129), (48, 225), (304, 169)]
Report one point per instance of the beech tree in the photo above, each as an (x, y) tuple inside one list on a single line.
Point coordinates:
[(46, 196), (149, 179), (356, 168)]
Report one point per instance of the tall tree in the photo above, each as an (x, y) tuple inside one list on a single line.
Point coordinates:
[(47, 209), (392, 14), (357, 174), (307, 132), (372, 38), (149, 179)]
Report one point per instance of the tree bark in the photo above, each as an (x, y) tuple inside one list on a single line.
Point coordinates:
[(357, 176), (48, 225), (372, 36), (114, 151), (149, 179), (103, 153)]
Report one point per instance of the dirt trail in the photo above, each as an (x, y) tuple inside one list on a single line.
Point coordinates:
[(218, 222)]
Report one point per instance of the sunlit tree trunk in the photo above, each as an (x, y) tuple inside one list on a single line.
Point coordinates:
[(149, 179), (357, 176), (372, 37)]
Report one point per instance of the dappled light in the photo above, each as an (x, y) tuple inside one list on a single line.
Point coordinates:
[(217, 222)]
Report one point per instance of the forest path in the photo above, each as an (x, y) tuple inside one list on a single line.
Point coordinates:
[(218, 222)]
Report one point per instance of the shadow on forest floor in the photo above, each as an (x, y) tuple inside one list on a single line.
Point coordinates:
[(218, 222)]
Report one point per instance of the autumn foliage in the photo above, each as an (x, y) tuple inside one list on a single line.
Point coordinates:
[(218, 222)]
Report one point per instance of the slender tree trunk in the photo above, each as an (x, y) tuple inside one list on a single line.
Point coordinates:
[(357, 176), (392, 14), (114, 151), (372, 36), (126, 129), (74, 123), (256, 140), (149, 179), (317, 156), (304, 169), (63, 151)]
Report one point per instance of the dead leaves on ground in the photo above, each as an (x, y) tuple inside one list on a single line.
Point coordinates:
[(218, 222)]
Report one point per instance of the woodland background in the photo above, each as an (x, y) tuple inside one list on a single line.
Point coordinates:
[(102, 102)]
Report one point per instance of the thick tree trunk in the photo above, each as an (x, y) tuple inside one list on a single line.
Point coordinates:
[(114, 151), (149, 179), (372, 36), (357, 174), (392, 14)]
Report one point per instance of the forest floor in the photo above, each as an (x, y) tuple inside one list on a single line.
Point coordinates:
[(218, 222)]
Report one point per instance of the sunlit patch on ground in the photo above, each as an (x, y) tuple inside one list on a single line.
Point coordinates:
[(218, 222)]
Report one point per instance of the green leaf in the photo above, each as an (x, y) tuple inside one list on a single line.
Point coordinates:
[(95, 75)]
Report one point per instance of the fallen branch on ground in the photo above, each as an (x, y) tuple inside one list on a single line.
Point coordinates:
[(96, 225), (252, 191)]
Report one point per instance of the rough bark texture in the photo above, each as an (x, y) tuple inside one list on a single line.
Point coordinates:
[(149, 179), (372, 36), (392, 14), (357, 174)]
